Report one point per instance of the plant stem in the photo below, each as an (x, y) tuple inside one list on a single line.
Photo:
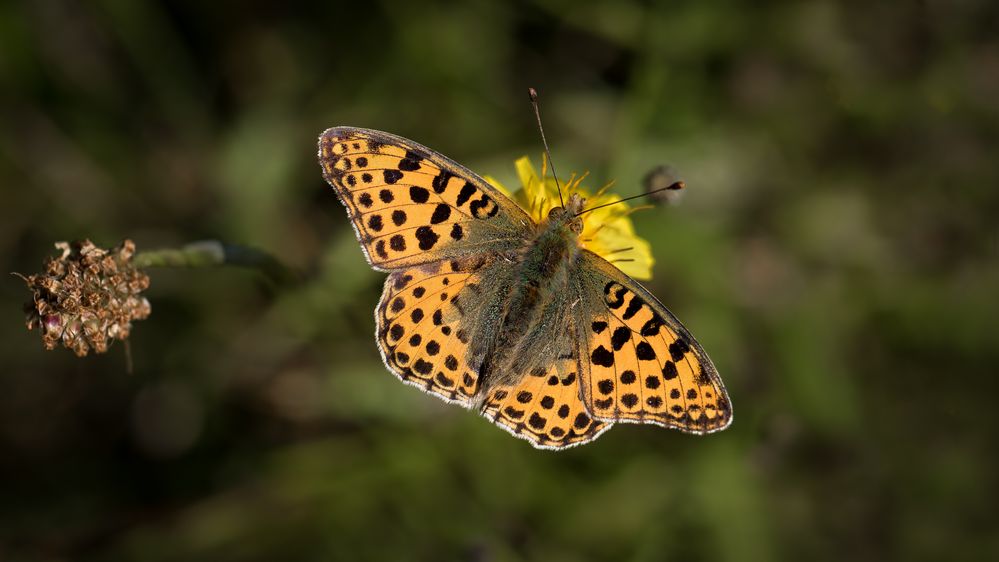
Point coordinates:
[(207, 253)]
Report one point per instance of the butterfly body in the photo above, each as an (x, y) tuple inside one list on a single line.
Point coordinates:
[(488, 308), (531, 286)]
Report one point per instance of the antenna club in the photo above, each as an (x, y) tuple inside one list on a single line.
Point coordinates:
[(533, 94)]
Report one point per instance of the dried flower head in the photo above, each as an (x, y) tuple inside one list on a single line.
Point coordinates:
[(87, 297), (663, 184)]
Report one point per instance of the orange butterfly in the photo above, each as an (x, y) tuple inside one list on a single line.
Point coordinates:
[(491, 309)]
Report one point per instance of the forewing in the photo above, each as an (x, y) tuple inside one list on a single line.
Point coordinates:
[(644, 366), (545, 408), (410, 205)]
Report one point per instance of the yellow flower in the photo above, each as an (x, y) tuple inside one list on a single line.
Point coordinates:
[(607, 232)]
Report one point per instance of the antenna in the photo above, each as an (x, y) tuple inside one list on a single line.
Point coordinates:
[(677, 185), (534, 102)]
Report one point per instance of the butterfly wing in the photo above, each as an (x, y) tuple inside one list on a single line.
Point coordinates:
[(410, 205), (423, 334), (644, 366), (420, 333), (545, 408)]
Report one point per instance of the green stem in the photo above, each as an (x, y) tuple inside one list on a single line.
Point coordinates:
[(207, 253)]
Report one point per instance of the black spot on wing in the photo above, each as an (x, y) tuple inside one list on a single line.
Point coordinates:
[(645, 351), (440, 181), (702, 377), (602, 356), (614, 295), (536, 421), (633, 307), (427, 237), (678, 349), (467, 191), (441, 213), (418, 194), (391, 176), (605, 386), (651, 327), (411, 162), (513, 413), (620, 337), (669, 371), (483, 208), (397, 331)]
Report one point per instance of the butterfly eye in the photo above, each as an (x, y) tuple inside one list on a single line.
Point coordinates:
[(556, 213)]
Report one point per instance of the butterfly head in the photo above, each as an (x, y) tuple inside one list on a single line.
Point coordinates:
[(567, 215)]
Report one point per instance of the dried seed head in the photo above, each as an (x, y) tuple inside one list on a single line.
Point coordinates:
[(663, 185), (87, 297)]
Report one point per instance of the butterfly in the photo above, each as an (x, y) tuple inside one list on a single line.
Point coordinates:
[(488, 308)]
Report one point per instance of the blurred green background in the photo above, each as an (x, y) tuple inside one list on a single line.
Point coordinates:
[(836, 254)]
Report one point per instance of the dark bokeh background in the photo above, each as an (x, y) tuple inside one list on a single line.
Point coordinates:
[(836, 254)]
